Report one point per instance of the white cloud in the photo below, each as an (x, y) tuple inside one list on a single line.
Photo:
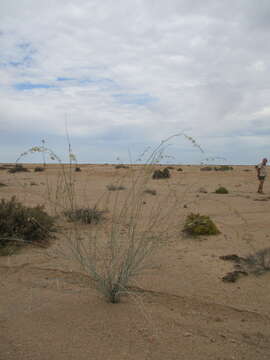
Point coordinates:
[(160, 66)]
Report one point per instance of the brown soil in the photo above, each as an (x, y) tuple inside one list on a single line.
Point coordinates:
[(50, 310)]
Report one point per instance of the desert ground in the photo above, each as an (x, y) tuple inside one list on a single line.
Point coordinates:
[(180, 309)]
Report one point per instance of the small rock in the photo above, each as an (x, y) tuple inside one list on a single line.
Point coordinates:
[(187, 334)]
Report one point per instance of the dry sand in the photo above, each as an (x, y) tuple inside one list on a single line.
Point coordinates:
[(180, 310)]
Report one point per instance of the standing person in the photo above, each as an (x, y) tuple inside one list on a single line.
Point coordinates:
[(261, 173)]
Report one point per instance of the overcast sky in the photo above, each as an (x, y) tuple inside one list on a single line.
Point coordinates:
[(125, 74)]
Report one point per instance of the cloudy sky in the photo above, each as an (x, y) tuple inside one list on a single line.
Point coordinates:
[(122, 75)]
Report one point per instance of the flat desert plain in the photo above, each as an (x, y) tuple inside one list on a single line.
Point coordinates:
[(180, 309)]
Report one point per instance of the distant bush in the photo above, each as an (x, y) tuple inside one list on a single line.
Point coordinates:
[(161, 174), (39, 169), (2, 184), (150, 191), (17, 168), (170, 167), (223, 168), (197, 224), (85, 215), (112, 187), (221, 190), (121, 166), (20, 224), (179, 169), (77, 169), (206, 168)]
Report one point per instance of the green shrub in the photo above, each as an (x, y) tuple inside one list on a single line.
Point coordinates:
[(20, 224), (221, 190), (39, 169), (18, 168), (77, 169), (161, 174), (179, 169), (85, 215), (112, 187), (197, 224)]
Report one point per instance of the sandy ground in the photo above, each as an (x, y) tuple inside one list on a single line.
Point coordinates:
[(182, 309)]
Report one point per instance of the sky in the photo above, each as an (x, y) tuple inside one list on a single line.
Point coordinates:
[(116, 77)]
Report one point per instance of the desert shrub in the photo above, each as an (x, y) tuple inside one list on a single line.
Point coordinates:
[(20, 224), (2, 184), (121, 166), (170, 167), (39, 169), (197, 224), (17, 168), (85, 215), (113, 254), (150, 191), (246, 170), (77, 169), (223, 168), (206, 168), (179, 169), (112, 187), (221, 190), (32, 183), (161, 174)]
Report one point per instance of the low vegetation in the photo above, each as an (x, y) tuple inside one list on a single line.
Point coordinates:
[(121, 166), (21, 225), (224, 168), (77, 169), (206, 168), (85, 215), (221, 190), (112, 187), (150, 191), (161, 174), (197, 224), (18, 168), (39, 169)]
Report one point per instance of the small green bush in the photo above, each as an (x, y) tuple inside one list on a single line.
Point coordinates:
[(150, 191), (85, 215), (112, 187), (39, 169), (161, 174), (18, 168), (221, 190), (20, 224), (197, 224), (77, 169), (179, 169)]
